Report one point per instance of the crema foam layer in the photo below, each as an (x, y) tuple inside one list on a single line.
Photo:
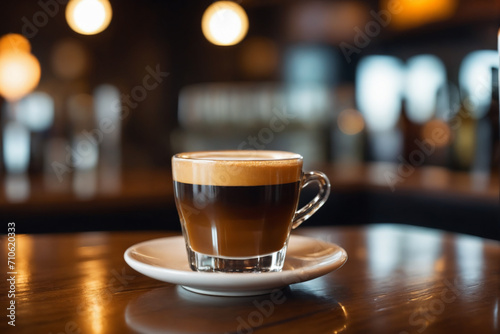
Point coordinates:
[(237, 168)]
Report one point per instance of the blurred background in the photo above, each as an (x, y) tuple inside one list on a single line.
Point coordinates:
[(396, 100)]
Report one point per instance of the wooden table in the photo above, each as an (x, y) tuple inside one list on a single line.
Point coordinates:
[(398, 279)]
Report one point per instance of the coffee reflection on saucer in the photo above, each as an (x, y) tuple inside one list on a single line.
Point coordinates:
[(176, 310)]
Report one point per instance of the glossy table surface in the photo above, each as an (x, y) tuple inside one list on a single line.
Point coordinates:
[(398, 279)]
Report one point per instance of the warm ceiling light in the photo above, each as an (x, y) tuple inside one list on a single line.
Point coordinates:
[(19, 74), (406, 14), (14, 42), (88, 17), (224, 23)]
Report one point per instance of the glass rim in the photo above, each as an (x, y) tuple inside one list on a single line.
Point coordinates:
[(238, 155)]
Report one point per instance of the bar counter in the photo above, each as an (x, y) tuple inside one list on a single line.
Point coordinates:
[(361, 194)]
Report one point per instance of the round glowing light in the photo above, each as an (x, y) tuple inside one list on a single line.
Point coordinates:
[(14, 42), (19, 74), (259, 57), (350, 122), (36, 111), (69, 59), (437, 132), (88, 17), (224, 23)]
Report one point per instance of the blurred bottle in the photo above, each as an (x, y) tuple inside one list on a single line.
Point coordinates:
[(493, 119), (464, 133), (410, 132), (448, 106)]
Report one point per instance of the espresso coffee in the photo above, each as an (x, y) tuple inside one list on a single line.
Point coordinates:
[(237, 221), (239, 206)]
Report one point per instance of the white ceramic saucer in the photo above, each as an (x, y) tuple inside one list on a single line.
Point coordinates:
[(165, 259)]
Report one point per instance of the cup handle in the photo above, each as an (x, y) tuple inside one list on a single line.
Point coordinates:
[(317, 202)]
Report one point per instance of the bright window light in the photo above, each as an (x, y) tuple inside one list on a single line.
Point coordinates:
[(379, 82), (36, 111), (475, 80), (16, 147), (425, 75)]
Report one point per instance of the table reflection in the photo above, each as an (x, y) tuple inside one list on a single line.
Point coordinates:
[(151, 313)]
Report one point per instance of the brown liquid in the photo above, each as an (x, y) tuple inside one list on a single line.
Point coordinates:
[(236, 221)]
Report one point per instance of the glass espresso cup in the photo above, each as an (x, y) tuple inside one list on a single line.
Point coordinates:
[(237, 208)]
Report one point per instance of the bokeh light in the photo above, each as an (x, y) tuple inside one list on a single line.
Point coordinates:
[(350, 121), (379, 82), (17, 187), (16, 147), (224, 23), (311, 64), (88, 17), (70, 59), (437, 132), (475, 80), (259, 57), (36, 111), (14, 42), (425, 75), (416, 13), (19, 74)]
